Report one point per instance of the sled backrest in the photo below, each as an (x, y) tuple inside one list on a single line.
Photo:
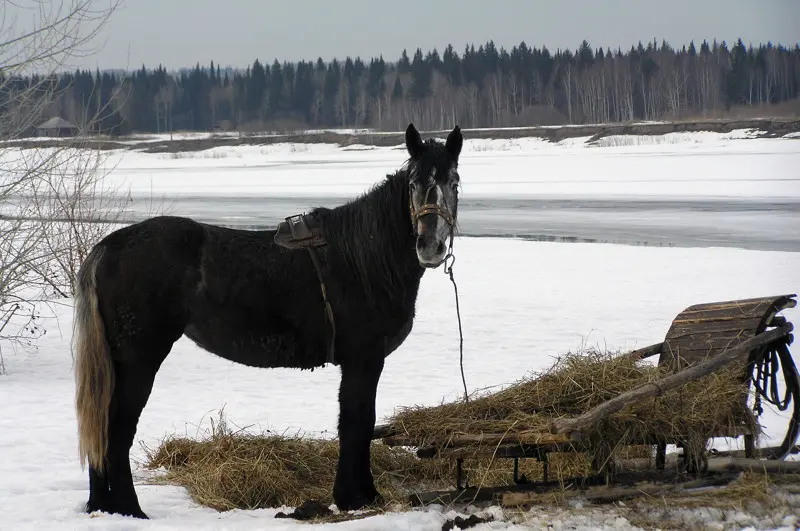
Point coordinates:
[(705, 330)]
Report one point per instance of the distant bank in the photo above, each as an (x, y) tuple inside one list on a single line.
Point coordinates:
[(187, 142)]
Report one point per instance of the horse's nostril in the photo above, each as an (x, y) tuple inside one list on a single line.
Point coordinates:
[(440, 248)]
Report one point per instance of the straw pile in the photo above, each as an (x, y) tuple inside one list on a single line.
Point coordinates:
[(227, 470), (577, 383)]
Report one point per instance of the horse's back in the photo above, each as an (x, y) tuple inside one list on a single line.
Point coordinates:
[(146, 270), (233, 292)]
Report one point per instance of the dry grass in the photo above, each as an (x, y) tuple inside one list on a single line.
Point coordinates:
[(575, 384), (229, 469)]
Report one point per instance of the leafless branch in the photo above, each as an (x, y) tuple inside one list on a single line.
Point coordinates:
[(47, 194)]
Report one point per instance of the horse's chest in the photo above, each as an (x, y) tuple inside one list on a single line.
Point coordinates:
[(398, 336)]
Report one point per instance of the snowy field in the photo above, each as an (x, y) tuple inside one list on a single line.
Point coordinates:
[(689, 166), (522, 303)]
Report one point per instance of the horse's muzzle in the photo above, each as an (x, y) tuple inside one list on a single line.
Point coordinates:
[(428, 259)]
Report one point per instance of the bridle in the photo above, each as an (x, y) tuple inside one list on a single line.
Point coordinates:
[(448, 260), (432, 208), (429, 208)]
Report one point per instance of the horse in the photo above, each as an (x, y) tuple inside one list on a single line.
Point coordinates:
[(242, 296)]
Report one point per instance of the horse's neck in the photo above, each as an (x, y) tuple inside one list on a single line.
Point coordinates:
[(376, 239)]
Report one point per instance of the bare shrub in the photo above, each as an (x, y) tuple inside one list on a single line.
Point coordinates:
[(49, 196)]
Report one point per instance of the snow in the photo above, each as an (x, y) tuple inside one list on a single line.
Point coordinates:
[(690, 166), (710, 166), (522, 303)]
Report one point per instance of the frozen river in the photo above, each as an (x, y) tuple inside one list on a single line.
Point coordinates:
[(681, 189), (722, 223), (686, 190)]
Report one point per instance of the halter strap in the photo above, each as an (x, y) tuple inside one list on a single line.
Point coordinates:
[(429, 208)]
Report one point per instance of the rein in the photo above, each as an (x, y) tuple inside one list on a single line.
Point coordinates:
[(448, 269), (448, 261), (300, 232)]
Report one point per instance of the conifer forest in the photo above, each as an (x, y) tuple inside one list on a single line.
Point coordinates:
[(475, 87)]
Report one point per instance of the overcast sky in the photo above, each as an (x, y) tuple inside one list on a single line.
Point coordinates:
[(178, 33)]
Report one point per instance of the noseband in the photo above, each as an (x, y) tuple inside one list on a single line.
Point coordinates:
[(432, 208), (429, 208)]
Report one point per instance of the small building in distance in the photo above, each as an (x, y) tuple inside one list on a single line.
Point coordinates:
[(56, 126)]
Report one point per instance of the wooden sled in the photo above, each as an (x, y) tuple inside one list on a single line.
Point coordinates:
[(701, 340)]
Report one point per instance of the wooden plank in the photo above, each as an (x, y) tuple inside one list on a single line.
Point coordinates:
[(507, 451), (695, 351), (499, 452), (727, 325), (785, 301), (765, 451), (473, 494), (742, 464), (739, 353), (645, 352), (482, 493), (721, 323), (707, 345), (734, 307), (740, 334), (600, 494), (728, 314), (459, 441), (693, 356)]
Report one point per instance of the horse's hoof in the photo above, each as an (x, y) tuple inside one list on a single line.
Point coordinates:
[(309, 510), (94, 507), (357, 501), (134, 513)]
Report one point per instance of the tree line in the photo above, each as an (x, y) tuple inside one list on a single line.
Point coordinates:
[(479, 87)]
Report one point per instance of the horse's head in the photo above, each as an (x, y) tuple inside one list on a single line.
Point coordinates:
[(433, 193)]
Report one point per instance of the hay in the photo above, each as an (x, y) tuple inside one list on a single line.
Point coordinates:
[(227, 469), (577, 383)]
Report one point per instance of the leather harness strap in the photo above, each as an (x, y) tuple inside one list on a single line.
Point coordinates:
[(300, 232), (328, 308), (429, 208)]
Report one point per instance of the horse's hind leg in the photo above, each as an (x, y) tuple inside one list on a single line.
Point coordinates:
[(134, 382), (99, 493)]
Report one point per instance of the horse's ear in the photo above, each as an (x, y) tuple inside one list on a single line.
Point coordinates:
[(413, 141), (454, 142)]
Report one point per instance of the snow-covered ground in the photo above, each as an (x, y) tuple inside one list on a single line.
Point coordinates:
[(522, 303), (676, 165)]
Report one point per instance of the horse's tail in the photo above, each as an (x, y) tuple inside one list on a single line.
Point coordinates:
[(94, 372)]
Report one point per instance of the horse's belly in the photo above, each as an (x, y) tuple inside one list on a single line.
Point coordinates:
[(250, 347)]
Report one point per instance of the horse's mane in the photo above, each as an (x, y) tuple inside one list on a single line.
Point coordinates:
[(373, 235)]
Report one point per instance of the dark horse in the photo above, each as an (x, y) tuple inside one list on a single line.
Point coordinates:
[(247, 299)]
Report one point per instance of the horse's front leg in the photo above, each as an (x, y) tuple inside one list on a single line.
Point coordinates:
[(354, 487)]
